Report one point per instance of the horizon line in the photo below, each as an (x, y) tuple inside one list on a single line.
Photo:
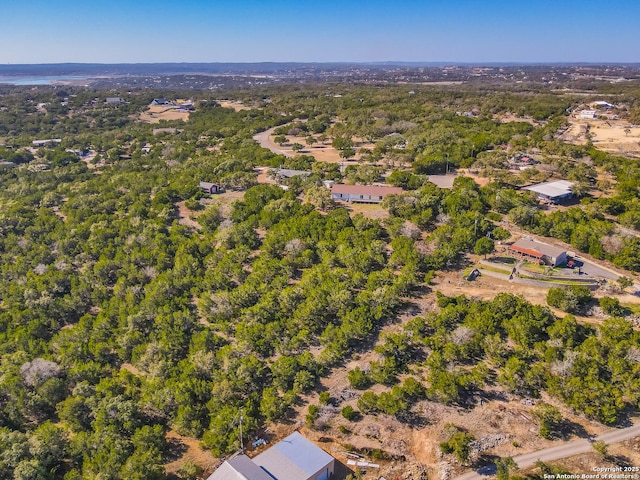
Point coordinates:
[(340, 62)]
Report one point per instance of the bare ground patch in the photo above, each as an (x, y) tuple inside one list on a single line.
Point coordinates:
[(184, 216), (322, 152), (613, 136), (188, 449), (236, 105), (156, 113)]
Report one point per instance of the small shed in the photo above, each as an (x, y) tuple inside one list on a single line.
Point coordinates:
[(208, 187)]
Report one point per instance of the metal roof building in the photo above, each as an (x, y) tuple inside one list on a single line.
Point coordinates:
[(552, 191), (239, 468), (289, 173), (296, 458)]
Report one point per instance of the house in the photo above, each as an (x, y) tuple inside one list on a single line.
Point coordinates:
[(296, 458), (589, 114), (522, 159), (362, 193), (114, 101), (554, 192), (42, 143), (542, 252), (172, 130), (293, 458), (160, 101), (602, 103), (239, 468), (185, 106), (208, 187), (283, 173)]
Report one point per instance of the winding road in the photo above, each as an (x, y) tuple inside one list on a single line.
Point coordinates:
[(561, 451), (263, 139)]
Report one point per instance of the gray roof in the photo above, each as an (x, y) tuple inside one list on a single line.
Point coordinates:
[(239, 468), (287, 172), (558, 188), (207, 185), (294, 458), (543, 248), (442, 181)]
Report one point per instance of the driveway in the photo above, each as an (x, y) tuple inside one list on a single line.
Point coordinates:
[(265, 142), (594, 270)]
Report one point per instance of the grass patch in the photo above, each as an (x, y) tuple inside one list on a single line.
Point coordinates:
[(491, 268), (535, 268), (505, 260), (467, 271)]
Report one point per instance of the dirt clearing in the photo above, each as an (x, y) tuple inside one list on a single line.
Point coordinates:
[(613, 136), (156, 113)]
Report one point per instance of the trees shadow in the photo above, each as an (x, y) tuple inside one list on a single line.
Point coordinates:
[(569, 428), (175, 450), (620, 461)]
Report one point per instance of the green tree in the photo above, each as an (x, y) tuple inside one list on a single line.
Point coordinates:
[(483, 246), (571, 299), (358, 379), (459, 444), (549, 418), (611, 306), (349, 413), (504, 466), (601, 448)]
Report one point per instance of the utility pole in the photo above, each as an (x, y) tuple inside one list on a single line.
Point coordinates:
[(241, 441)]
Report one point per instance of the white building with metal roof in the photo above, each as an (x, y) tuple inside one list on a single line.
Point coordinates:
[(293, 458), (296, 458)]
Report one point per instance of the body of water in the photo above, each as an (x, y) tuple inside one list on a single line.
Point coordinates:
[(40, 80)]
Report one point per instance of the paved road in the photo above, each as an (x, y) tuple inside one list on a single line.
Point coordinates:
[(596, 270), (562, 451), (263, 139)]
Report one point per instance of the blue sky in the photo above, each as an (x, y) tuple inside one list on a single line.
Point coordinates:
[(113, 31)]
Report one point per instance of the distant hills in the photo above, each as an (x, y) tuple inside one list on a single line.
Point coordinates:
[(99, 69)]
